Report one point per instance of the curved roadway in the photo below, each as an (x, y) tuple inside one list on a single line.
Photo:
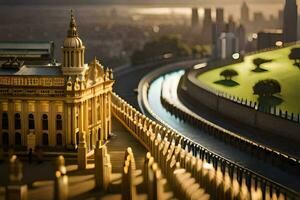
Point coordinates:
[(127, 82)]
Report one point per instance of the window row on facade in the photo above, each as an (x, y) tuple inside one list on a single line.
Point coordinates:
[(31, 121), (18, 139)]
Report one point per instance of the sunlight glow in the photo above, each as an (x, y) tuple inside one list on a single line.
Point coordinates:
[(279, 43), (201, 65), (236, 56), (207, 166)]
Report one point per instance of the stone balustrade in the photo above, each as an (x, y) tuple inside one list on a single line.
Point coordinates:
[(219, 177)]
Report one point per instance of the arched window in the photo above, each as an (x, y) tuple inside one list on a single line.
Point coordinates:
[(45, 139), (18, 138), (59, 139), (99, 134), (5, 139), (58, 122), (30, 121), (4, 121), (45, 122), (17, 121)]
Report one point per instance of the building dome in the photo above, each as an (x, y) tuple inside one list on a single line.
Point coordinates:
[(73, 51), (73, 42)]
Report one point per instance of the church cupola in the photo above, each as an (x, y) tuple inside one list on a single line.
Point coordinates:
[(73, 51)]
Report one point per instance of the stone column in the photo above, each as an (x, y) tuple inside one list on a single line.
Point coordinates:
[(61, 180), (94, 110), (11, 119), (16, 190), (102, 116), (67, 119), (73, 133), (109, 113), (82, 149), (81, 117), (94, 119), (86, 120), (51, 124), (104, 127)]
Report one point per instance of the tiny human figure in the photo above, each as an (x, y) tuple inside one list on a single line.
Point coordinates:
[(30, 156)]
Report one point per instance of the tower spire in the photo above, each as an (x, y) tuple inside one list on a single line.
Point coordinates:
[(72, 32), (73, 51)]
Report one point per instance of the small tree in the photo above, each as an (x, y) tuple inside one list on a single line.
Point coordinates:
[(295, 55), (259, 61), (266, 87), (229, 73)]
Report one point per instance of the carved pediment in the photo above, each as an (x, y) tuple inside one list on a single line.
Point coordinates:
[(95, 73)]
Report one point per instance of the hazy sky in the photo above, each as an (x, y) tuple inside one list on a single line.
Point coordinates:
[(157, 1)]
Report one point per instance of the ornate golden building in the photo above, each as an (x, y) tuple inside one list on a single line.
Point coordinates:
[(52, 104)]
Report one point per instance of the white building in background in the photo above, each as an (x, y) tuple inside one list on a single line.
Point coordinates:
[(226, 45)]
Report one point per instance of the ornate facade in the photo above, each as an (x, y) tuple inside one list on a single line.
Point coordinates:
[(55, 104)]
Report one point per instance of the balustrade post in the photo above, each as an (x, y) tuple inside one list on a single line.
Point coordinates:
[(82, 152), (61, 180), (102, 166), (128, 177), (15, 190)]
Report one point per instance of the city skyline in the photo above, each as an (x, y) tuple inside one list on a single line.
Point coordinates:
[(179, 2), (136, 99)]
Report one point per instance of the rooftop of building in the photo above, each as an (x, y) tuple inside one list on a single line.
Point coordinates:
[(34, 50), (30, 70)]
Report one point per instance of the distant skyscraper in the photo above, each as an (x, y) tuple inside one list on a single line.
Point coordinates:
[(217, 28), (207, 26), (241, 36), (220, 19), (195, 17), (226, 45), (207, 16), (290, 16), (220, 15), (245, 13), (231, 26)]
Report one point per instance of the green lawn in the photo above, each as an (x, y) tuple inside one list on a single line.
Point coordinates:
[(281, 69)]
